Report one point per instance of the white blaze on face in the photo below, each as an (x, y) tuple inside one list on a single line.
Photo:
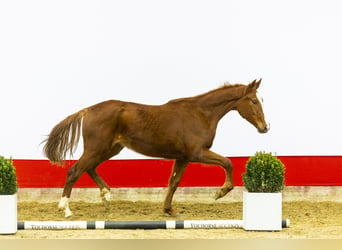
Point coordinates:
[(261, 101)]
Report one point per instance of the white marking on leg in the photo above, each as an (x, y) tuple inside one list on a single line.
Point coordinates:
[(64, 204), (105, 194)]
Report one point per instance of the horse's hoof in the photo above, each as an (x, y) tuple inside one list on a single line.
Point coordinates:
[(218, 195), (68, 213), (171, 212), (222, 192), (175, 214)]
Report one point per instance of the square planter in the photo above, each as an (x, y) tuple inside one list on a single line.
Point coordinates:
[(8, 214), (262, 211)]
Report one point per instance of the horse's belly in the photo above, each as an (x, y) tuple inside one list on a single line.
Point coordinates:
[(169, 151)]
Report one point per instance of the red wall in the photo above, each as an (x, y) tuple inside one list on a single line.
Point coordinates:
[(300, 171)]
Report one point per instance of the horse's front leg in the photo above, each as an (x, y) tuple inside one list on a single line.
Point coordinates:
[(209, 157), (176, 176)]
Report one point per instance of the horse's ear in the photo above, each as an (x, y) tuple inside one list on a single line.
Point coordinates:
[(257, 83), (253, 85)]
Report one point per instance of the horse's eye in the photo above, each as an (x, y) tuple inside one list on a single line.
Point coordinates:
[(254, 101)]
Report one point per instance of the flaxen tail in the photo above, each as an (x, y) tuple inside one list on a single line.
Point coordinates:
[(64, 138)]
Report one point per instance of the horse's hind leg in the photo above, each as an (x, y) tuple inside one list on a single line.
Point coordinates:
[(104, 188), (176, 176), (73, 175), (85, 163)]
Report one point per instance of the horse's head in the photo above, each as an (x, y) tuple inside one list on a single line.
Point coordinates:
[(250, 107)]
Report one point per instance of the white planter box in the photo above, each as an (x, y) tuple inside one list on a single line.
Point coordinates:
[(262, 211), (8, 214)]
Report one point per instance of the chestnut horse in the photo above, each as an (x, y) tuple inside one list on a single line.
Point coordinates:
[(181, 129)]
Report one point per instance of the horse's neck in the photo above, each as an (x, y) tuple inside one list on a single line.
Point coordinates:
[(221, 101)]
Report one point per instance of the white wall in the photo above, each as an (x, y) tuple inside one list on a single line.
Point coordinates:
[(57, 57)]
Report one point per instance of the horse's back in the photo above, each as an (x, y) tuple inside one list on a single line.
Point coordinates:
[(115, 113)]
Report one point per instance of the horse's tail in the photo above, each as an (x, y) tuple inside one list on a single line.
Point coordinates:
[(64, 138)]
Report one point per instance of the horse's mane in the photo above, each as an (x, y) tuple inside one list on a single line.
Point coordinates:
[(226, 85)]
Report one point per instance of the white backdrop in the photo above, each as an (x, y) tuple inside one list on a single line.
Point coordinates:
[(57, 57)]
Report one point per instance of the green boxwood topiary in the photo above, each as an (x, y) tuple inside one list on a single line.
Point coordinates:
[(8, 178), (264, 174)]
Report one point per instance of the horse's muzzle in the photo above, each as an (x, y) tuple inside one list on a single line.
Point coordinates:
[(265, 129)]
